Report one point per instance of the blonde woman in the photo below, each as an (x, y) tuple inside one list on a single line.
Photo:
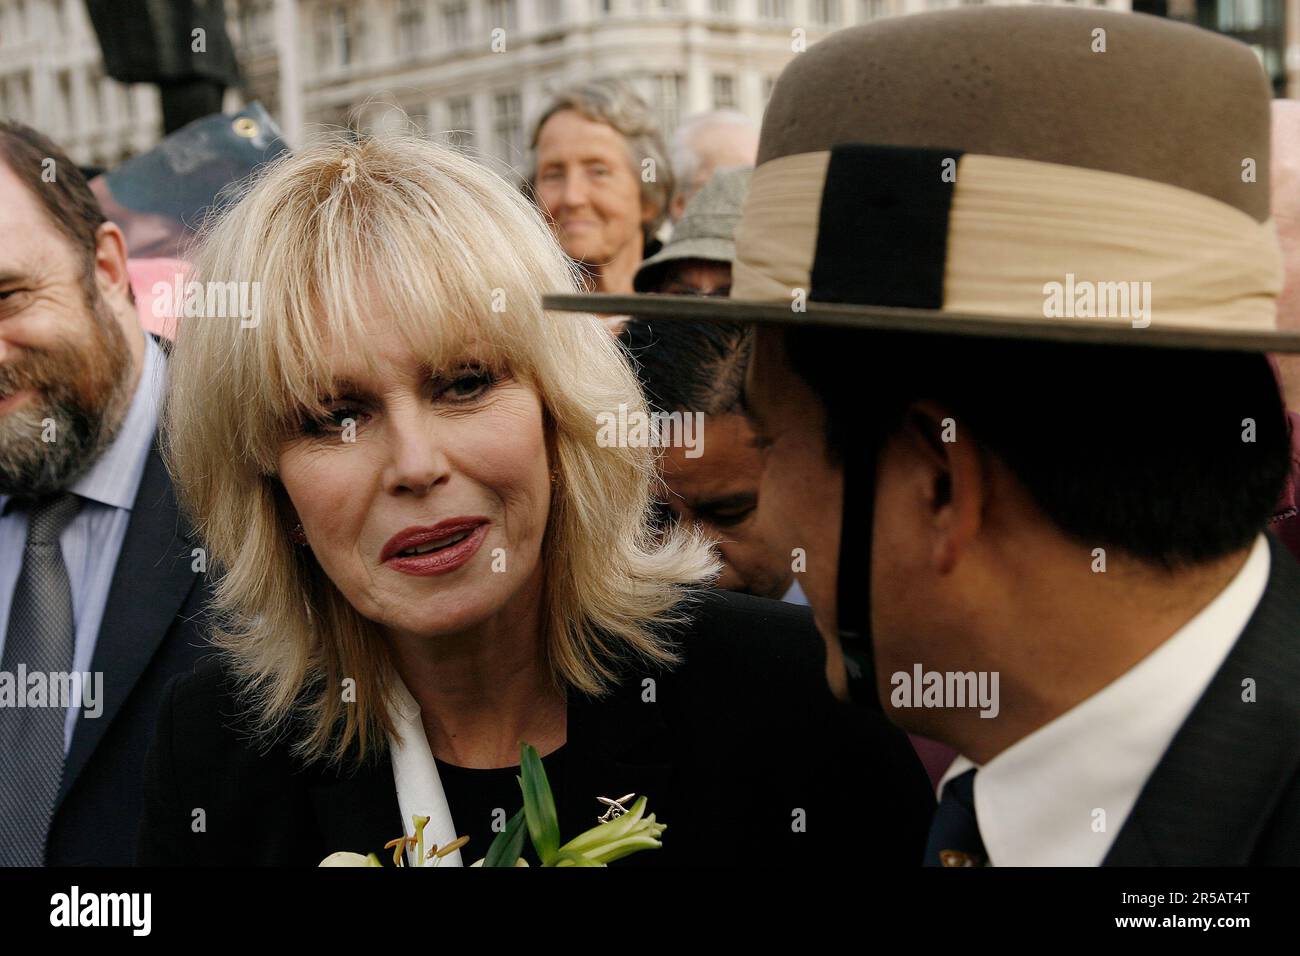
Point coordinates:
[(426, 556)]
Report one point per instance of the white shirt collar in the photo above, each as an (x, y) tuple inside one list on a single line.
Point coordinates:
[(415, 775), (1059, 796)]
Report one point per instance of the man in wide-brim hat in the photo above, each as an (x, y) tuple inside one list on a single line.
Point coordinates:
[(1015, 277)]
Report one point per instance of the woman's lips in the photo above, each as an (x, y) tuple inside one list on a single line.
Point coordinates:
[(444, 559)]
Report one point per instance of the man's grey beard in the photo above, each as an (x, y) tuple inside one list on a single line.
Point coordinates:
[(82, 394)]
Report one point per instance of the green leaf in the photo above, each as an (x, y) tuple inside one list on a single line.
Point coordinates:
[(508, 843), (539, 805)]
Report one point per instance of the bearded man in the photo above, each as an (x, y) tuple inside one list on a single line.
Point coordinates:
[(100, 589)]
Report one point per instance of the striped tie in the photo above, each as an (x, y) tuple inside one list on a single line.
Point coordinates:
[(40, 638)]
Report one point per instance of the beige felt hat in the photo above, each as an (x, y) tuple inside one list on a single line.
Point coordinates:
[(1063, 174)]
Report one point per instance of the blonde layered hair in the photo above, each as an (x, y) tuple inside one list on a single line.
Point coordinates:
[(398, 227)]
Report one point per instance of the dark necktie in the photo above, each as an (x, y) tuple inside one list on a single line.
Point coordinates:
[(40, 637), (955, 833)]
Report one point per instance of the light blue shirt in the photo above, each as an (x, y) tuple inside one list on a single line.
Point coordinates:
[(795, 595), (93, 539)]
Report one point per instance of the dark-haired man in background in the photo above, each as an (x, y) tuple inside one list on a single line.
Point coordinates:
[(691, 367), (97, 577)]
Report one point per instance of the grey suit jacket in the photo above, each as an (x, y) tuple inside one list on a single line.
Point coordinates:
[(154, 627)]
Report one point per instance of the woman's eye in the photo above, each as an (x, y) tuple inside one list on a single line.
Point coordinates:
[(333, 421), (468, 386)]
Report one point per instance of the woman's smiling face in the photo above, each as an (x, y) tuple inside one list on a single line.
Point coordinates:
[(428, 511)]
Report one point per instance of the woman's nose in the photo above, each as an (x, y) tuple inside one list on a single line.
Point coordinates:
[(575, 189), (416, 459)]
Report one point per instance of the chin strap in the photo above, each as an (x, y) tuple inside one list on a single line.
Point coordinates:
[(853, 605)]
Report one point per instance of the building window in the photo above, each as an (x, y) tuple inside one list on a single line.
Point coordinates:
[(871, 10), (723, 8), (825, 12), (1240, 14), (724, 92), (410, 26), (773, 9), (324, 44), (256, 31), (344, 41), (340, 38), (502, 13), (66, 103), (460, 124), (455, 23), (100, 108), (19, 17), (552, 11), (508, 127), (666, 97)]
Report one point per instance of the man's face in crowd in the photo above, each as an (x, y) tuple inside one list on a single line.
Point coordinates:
[(697, 277), (926, 578), (719, 491), (66, 369), (800, 490), (588, 188)]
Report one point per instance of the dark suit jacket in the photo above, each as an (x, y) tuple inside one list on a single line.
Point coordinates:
[(1227, 791), (152, 629), (738, 739)]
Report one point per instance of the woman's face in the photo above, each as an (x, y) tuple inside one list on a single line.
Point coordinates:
[(588, 188), (428, 512)]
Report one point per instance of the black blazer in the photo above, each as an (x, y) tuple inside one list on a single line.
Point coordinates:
[(152, 629), (1227, 791), (745, 730)]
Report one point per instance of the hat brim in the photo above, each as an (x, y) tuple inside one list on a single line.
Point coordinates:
[(868, 318)]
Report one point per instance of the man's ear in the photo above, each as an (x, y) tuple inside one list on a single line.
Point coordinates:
[(955, 482), (110, 265)]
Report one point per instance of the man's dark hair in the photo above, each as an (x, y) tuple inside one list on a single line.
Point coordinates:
[(689, 366), (66, 198), (1174, 457)]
